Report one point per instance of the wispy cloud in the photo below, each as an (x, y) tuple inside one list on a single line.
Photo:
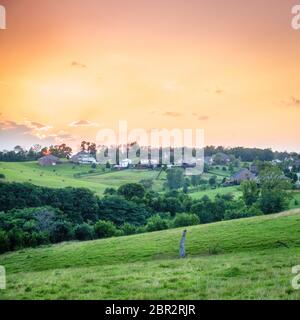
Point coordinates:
[(27, 128), (83, 123), (8, 125), (29, 133), (292, 102), (38, 126), (219, 91), (63, 137), (201, 117), (216, 91), (77, 64), (26, 134), (172, 114)]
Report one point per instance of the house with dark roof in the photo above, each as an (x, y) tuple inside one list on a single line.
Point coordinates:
[(221, 158), (83, 157), (254, 168), (240, 176), (48, 160)]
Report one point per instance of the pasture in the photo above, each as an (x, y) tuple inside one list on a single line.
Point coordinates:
[(240, 259)]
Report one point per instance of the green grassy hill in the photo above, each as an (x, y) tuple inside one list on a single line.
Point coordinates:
[(63, 176), (241, 259), (235, 190), (68, 175)]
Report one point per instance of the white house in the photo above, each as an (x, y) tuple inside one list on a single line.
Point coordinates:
[(125, 163), (146, 162), (87, 160), (83, 158)]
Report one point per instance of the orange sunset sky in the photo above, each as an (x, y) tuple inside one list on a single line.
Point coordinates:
[(71, 67)]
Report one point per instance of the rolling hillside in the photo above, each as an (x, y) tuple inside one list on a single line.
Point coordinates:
[(65, 175), (240, 259)]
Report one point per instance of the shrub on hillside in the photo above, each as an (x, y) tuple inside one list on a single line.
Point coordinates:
[(31, 227), (128, 229), (83, 232), (275, 190), (147, 183), (175, 178), (119, 210), (105, 229), (4, 242), (79, 204), (61, 231), (156, 223), (2, 176), (131, 190), (167, 203), (241, 211), (185, 219), (110, 192)]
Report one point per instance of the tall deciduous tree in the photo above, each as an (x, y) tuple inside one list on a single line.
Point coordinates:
[(175, 178), (250, 192), (275, 187)]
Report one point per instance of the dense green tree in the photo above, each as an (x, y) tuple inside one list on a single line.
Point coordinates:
[(195, 180), (128, 229), (175, 178), (250, 192), (61, 231), (171, 204), (83, 232), (238, 210), (275, 188), (4, 242), (131, 190), (231, 168), (105, 229), (156, 223), (203, 209), (119, 210), (79, 204), (110, 192), (185, 219), (212, 181), (61, 151), (291, 175)]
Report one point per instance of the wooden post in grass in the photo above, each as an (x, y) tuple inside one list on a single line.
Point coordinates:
[(182, 245)]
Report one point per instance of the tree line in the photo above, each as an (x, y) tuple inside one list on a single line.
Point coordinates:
[(64, 151)]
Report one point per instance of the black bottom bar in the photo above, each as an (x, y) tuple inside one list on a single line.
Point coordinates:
[(150, 309)]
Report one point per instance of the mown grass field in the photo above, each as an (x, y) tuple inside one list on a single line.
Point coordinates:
[(62, 175), (235, 190), (239, 259)]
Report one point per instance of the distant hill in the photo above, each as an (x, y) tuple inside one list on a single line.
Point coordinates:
[(81, 176)]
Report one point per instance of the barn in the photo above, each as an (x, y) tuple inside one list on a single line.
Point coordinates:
[(49, 160), (242, 175)]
